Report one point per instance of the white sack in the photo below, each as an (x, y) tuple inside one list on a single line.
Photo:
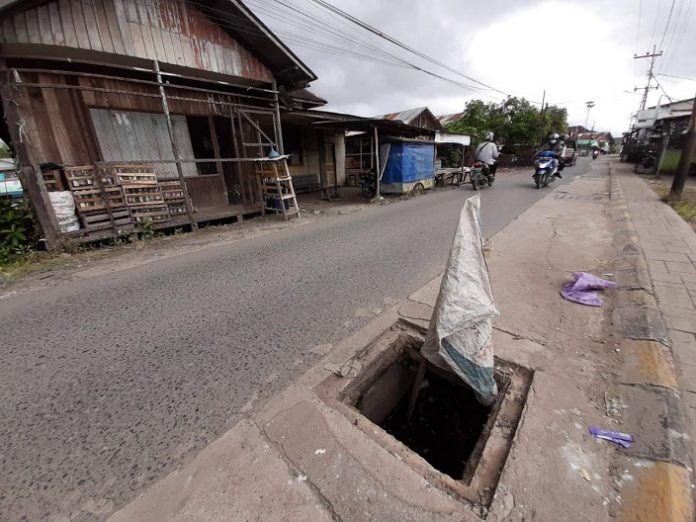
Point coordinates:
[(459, 337)]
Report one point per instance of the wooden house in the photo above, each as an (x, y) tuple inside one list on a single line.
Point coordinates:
[(180, 97)]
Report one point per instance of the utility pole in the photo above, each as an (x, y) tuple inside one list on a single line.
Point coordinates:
[(646, 89), (685, 160), (589, 106), (541, 121)]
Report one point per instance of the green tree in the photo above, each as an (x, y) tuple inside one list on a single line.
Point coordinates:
[(515, 121)]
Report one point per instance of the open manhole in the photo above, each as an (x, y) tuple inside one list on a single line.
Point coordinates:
[(450, 438)]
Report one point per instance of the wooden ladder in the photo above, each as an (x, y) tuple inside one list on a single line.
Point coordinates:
[(276, 189)]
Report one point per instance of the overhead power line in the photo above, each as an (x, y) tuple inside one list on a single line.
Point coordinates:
[(215, 14), (400, 44), (669, 19), (677, 77)]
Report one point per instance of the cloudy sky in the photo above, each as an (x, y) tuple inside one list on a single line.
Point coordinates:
[(576, 50)]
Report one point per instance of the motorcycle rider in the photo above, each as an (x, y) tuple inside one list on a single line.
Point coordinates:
[(487, 153), (555, 145)]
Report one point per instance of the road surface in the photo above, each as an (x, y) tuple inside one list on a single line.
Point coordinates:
[(110, 383)]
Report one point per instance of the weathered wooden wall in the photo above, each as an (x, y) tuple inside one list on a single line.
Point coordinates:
[(170, 31), (58, 124)]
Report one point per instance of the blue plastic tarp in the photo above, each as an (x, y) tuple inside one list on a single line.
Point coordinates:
[(409, 162)]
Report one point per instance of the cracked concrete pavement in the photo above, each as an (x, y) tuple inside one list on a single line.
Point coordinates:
[(113, 380), (555, 470)]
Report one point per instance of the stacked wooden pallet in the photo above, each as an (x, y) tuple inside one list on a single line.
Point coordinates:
[(142, 193), (99, 202), (173, 195), (119, 197)]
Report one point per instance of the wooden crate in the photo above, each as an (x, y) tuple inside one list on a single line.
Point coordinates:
[(139, 195), (98, 198), (86, 177), (54, 180), (134, 174), (94, 220), (172, 191), (176, 208), (159, 213)]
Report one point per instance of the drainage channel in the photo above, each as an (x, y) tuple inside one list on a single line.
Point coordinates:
[(450, 439)]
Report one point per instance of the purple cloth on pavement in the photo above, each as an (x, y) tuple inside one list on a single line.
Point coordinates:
[(625, 440), (582, 290)]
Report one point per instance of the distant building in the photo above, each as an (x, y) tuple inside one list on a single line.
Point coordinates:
[(420, 117), (450, 118)]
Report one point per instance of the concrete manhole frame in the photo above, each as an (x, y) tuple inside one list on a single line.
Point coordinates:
[(485, 465)]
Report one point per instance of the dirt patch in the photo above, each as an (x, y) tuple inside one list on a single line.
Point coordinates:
[(686, 207), (79, 261)]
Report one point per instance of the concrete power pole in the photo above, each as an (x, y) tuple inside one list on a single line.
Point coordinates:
[(685, 160), (646, 89)]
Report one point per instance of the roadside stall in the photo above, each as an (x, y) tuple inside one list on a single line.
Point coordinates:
[(450, 166)]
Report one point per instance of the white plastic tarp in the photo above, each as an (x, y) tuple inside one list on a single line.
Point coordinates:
[(459, 338)]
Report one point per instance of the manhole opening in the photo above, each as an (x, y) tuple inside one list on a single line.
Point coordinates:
[(447, 421), (451, 439)]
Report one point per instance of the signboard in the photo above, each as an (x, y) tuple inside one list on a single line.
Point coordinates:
[(646, 119), (10, 186)]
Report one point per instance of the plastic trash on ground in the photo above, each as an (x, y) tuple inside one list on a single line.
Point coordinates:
[(625, 440), (459, 338), (583, 289)]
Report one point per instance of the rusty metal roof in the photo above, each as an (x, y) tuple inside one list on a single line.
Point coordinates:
[(404, 116), (450, 118), (237, 19)]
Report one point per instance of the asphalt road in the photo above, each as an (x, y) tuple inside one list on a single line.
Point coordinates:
[(109, 383)]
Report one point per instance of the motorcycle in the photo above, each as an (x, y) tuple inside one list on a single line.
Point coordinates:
[(368, 183), (595, 153), (648, 162), (544, 168), (480, 175)]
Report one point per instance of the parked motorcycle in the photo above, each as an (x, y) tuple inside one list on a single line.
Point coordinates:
[(648, 162), (545, 168), (368, 183), (481, 175)]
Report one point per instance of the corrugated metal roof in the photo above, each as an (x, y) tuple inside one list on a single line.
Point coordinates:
[(7, 164), (236, 18), (404, 116), (450, 118)]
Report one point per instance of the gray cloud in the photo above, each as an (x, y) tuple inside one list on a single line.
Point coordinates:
[(447, 30)]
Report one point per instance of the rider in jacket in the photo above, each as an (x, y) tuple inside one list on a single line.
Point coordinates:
[(487, 153), (554, 144)]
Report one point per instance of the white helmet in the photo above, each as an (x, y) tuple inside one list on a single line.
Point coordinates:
[(489, 136), (553, 138)]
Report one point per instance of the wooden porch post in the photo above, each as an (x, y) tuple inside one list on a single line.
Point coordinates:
[(175, 149), (378, 169), (276, 115), (32, 183)]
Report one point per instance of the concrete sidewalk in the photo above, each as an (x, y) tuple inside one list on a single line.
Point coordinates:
[(669, 246), (311, 455)]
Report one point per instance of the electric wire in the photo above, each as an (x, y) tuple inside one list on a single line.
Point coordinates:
[(300, 40), (400, 44), (669, 19)]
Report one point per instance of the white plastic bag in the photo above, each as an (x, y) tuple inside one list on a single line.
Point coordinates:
[(459, 337)]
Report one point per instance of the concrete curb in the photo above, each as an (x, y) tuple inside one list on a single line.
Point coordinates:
[(660, 460)]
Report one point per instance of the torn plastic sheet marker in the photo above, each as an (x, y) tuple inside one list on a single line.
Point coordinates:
[(625, 440), (459, 337), (583, 289)]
